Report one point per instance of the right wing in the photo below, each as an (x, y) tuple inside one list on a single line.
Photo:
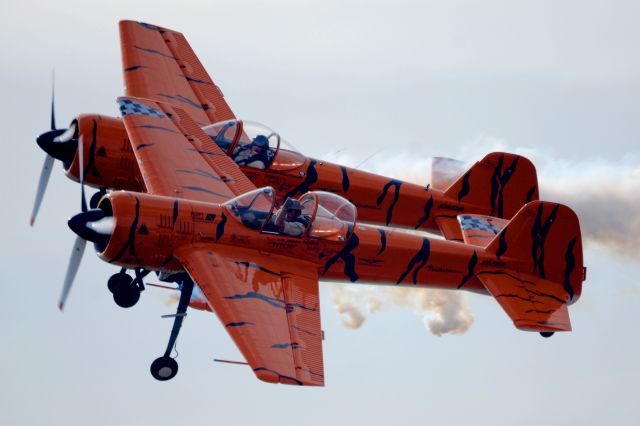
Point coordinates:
[(159, 64), (270, 307)]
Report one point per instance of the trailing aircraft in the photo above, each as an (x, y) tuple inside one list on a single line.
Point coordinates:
[(159, 64)]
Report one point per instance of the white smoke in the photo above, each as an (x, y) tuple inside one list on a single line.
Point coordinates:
[(605, 194), (443, 311)]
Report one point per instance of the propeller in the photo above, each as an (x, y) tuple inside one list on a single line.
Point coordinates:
[(89, 225), (72, 269), (58, 144)]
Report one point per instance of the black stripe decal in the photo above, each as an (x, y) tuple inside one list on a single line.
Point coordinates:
[(155, 52), (396, 184), (383, 241), (134, 68), (427, 212), (347, 257), (471, 268), (258, 267), (421, 257), (310, 179), (220, 227), (130, 243), (153, 127), (345, 179)]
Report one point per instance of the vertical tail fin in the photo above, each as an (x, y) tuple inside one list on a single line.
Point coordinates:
[(545, 239), (534, 266), (500, 183)]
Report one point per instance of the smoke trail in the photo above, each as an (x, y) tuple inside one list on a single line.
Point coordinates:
[(606, 197), (443, 311), (605, 194)]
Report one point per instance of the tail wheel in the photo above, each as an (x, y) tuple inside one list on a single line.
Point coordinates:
[(546, 334), (164, 368)]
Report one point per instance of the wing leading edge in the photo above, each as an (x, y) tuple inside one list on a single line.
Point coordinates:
[(269, 306)]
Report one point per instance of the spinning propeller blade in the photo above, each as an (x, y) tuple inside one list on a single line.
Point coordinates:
[(42, 186), (72, 269), (83, 200), (48, 161)]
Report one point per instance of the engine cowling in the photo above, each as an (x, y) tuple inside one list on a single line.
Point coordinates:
[(148, 228), (109, 160)]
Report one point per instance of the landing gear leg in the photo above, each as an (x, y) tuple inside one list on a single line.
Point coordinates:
[(165, 367)]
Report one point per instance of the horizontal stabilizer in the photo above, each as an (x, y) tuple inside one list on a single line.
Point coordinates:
[(534, 304), (479, 230), (534, 268)]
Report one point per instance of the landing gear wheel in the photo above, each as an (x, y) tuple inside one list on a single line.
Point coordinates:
[(546, 334), (118, 281), (164, 368), (126, 296)]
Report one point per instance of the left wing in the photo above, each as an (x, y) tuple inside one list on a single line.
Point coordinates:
[(269, 305), (175, 156), (159, 64)]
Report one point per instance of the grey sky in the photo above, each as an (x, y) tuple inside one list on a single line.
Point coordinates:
[(413, 78)]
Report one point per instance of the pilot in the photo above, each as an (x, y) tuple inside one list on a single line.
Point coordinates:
[(255, 154), (290, 220)]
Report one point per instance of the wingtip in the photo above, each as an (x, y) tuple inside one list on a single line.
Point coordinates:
[(32, 221), (61, 306)]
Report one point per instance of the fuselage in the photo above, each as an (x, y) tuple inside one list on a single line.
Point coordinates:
[(149, 229), (111, 163)]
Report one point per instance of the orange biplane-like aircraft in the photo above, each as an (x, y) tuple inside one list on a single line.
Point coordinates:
[(254, 257), (159, 64)]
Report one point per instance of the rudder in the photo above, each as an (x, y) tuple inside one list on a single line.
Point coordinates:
[(544, 240), (500, 184)]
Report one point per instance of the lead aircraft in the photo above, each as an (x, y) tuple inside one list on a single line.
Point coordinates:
[(186, 210)]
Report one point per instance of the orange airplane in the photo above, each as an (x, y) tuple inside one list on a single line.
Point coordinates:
[(159, 64), (254, 257)]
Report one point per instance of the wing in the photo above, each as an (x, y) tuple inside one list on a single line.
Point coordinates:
[(159, 64), (269, 306), (175, 156), (534, 304)]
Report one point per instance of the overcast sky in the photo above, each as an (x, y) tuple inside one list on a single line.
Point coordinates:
[(557, 80)]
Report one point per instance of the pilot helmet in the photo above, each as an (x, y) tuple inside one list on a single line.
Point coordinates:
[(260, 141), (292, 204)]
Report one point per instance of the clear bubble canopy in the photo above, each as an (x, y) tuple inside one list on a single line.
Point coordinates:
[(251, 144), (328, 216)]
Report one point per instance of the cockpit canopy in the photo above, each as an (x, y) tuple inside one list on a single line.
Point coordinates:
[(326, 216), (254, 145)]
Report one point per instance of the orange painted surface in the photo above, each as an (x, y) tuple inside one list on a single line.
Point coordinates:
[(203, 213), (109, 161), (489, 188)]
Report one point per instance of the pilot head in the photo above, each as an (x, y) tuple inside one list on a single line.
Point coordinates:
[(259, 144), (292, 209)]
